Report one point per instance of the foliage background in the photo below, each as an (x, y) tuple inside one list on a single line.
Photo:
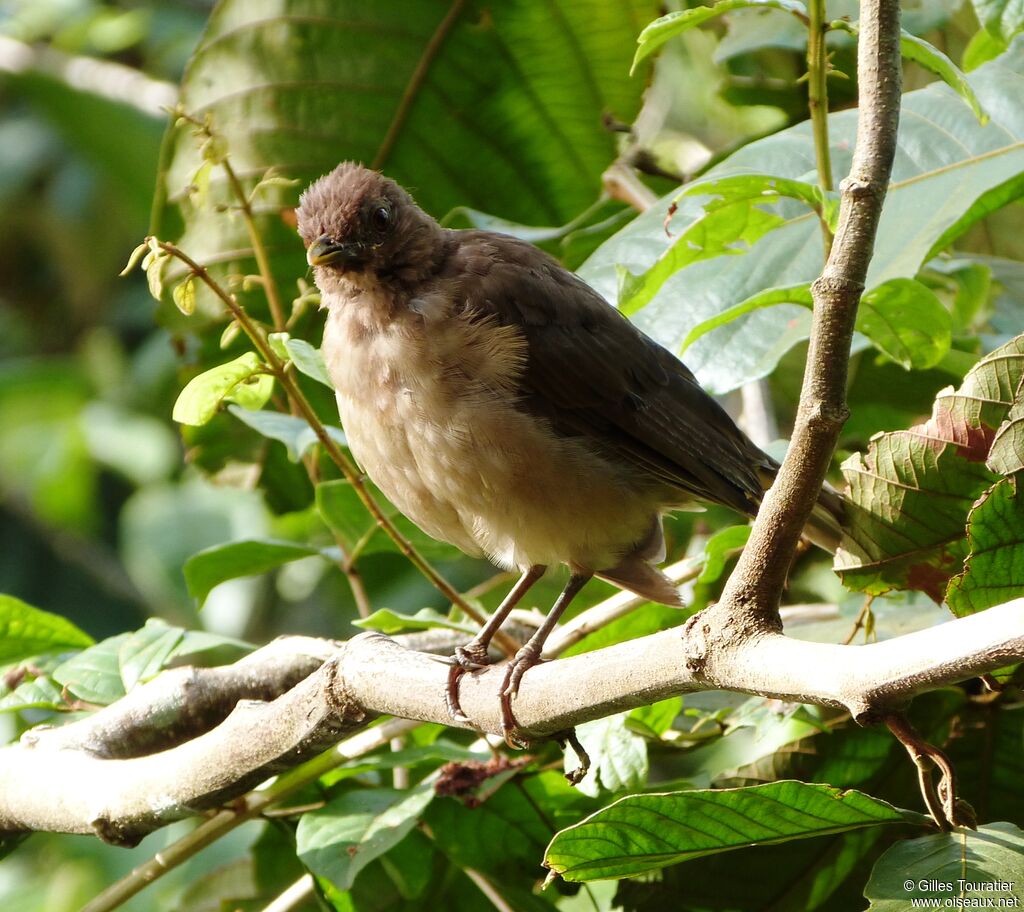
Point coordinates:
[(102, 501)]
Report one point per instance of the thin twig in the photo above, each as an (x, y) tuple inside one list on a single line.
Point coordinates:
[(941, 802), (292, 897), (242, 810), (861, 620), (337, 455), (817, 102)]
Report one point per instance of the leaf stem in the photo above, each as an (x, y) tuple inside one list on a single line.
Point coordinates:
[(817, 102)]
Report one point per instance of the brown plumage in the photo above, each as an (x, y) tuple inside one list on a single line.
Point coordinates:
[(506, 408)]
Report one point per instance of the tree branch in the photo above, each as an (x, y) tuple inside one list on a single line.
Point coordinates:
[(749, 604), (53, 780)]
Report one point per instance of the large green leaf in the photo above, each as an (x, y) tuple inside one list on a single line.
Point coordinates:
[(642, 833), (356, 827), (216, 565), (26, 631), (986, 866), (672, 24), (994, 569), (299, 85), (618, 757), (911, 492), (949, 171)]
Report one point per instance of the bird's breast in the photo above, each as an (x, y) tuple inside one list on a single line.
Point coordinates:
[(431, 414)]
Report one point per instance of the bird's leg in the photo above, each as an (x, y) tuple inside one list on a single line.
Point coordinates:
[(530, 653), (474, 653)]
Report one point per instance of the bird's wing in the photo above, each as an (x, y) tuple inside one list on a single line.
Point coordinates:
[(592, 374)]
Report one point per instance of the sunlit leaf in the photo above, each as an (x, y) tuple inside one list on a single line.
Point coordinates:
[(523, 85), (95, 674), (642, 833), (26, 631), (308, 360), (295, 433), (215, 565), (390, 622), (618, 756), (668, 26), (911, 492), (356, 827), (145, 652), (1001, 18), (906, 320), (949, 172), (994, 569), (242, 380), (930, 870)]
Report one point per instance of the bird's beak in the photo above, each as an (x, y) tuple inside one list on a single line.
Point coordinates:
[(324, 251)]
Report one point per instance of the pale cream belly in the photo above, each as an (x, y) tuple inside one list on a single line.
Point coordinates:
[(491, 480)]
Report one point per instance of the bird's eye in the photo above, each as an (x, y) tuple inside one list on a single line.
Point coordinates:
[(381, 218)]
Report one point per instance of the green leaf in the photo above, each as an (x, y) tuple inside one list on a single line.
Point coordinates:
[(1001, 18), (213, 566), (994, 569), (308, 360), (1007, 453), (26, 631), (243, 381), (657, 718), (982, 48), (910, 493), (143, 655), (661, 30), (906, 320), (949, 172), (959, 866), (727, 229), (184, 295), (719, 548), (642, 833), (507, 832), (766, 188), (618, 757), (38, 693), (798, 294), (390, 622), (95, 674), (931, 58), (295, 433), (338, 840), (524, 85)]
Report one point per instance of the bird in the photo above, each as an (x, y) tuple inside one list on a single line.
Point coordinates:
[(506, 408)]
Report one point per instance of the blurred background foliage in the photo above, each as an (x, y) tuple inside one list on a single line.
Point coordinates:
[(102, 499)]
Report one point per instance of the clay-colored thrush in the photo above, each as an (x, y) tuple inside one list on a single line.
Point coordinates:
[(506, 408)]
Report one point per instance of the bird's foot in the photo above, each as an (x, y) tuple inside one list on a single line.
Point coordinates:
[(471, 657), (523, 660), (576, 776)]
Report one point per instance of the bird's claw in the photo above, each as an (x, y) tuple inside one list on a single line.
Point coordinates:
[(471, 657), (523, 660), (576, 776)]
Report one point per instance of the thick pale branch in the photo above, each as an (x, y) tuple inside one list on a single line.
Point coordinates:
[(49, 782), (749, 604)]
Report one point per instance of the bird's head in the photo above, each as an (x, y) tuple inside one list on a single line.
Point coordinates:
[(359, 224)]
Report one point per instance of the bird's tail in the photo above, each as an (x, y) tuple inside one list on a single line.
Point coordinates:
[(825, 526)]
